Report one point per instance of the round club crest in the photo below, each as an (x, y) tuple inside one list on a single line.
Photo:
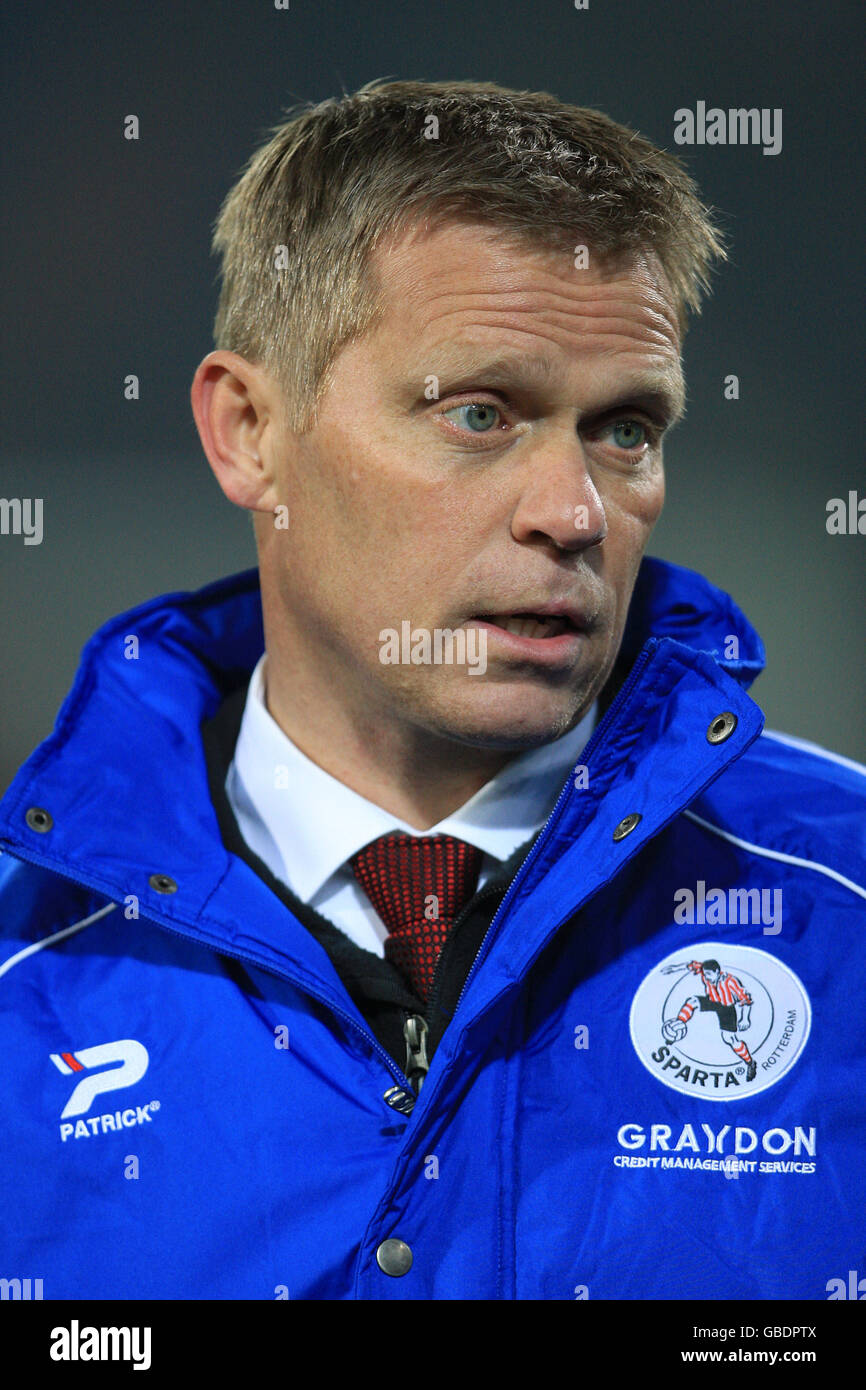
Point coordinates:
[(720, 1022)]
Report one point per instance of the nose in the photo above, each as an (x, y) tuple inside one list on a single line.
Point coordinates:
[(559, 501)]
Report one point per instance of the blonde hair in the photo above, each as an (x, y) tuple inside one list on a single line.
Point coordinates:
[(296, 232)]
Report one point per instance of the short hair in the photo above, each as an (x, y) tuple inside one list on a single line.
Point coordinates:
[(337, 177), (710, 965)]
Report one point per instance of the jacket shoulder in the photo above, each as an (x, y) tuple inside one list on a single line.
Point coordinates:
[(36, 904), (801, 762), (795, 802)]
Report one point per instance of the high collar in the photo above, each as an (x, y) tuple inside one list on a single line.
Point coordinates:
[(671, 601), (124, 780)]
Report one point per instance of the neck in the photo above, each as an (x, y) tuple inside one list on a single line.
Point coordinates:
[(409, 772)]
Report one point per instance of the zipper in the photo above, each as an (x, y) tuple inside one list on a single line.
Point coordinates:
[(392, 1095), (417, 1065), (613, 709)]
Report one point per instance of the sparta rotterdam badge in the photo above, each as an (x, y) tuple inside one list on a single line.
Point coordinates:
[(720, 1022)]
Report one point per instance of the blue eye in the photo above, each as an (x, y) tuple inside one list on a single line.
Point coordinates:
[(479, 416), (632, 434)]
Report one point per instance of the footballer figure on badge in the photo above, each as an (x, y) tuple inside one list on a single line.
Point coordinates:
[(726, 998)]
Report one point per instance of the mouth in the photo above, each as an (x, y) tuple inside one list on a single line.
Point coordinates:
[(541, 626), (550, 635)]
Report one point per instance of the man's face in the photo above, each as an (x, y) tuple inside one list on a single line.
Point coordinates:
[(529, 486)]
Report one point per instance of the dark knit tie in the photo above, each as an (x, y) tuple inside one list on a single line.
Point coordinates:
[(418, 885)]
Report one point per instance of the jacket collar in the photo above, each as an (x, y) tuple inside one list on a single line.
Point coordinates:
[(124, 779), (671, 601)]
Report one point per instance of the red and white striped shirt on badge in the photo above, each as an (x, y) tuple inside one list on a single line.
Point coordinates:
[(727, 991)]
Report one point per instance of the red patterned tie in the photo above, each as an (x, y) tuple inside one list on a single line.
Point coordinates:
[(418, 885)]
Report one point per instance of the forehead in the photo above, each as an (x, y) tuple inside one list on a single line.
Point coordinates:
[(462, 286)]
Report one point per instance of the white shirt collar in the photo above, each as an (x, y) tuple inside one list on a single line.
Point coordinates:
[(305, 824)]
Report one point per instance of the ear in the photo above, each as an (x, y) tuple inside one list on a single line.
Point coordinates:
[(236, 408)]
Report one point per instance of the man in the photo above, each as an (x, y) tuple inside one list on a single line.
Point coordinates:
[(726, 998), (335, 909)]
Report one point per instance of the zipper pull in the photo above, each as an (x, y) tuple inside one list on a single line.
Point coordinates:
[(417, 1066)]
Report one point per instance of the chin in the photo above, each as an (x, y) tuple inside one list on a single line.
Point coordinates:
[(513, 722)]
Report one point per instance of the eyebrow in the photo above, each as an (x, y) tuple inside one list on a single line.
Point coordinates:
[(663, 390)]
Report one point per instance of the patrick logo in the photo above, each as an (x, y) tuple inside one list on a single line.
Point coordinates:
[(126, 1062)]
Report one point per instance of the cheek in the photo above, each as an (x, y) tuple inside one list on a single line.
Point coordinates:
[(345, 505), (656, 498), (630, 519), (633, 511)]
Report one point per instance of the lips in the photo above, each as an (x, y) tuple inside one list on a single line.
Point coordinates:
[(546, 618)]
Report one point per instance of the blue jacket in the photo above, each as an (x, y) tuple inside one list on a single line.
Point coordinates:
[(653, 1085)]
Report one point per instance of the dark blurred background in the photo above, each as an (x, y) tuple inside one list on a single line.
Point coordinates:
[(107, 271)]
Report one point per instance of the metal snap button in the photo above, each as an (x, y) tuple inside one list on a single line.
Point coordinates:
[(161, 883), (394, 1257), (627, 825), (722, 727), (39, 819)]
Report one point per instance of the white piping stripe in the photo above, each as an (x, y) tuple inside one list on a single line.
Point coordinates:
[(58, 936), (816, 749), (777, 854)]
